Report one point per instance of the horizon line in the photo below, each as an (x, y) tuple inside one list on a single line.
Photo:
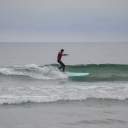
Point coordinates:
[(67, 42)]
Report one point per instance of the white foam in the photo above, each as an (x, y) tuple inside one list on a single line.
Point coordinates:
[(69, 92), (34, 71)]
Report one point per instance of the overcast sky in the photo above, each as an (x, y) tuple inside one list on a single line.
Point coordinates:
[(63, 20)]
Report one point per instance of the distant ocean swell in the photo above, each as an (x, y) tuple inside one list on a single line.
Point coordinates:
[(101, 72)]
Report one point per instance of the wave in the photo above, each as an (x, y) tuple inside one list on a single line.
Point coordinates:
[(98, 72), (33, 71), (42, 99), (101, 72)]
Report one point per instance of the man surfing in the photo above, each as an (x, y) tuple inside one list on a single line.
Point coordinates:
[(60, 54)]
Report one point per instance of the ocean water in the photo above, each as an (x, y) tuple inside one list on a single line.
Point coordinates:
[(35, 93)]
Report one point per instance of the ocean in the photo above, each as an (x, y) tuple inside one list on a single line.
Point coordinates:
[(34, 93)]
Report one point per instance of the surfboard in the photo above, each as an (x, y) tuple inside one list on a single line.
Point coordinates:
[(71, 74)]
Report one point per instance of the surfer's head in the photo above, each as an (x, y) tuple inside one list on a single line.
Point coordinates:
[(62, 50)]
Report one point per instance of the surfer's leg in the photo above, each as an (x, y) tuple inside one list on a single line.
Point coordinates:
[(63, 68), (62, 65)]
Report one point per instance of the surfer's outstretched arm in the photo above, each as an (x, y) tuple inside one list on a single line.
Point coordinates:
[(65, 54)]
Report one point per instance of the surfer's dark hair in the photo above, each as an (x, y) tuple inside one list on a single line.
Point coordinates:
[(62, 49)]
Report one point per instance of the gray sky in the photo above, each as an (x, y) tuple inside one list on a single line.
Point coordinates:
[(63, 20)]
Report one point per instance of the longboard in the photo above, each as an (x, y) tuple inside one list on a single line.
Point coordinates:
[(70, 74)]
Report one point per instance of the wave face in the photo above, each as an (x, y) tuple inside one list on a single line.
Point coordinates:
[(101, 72)]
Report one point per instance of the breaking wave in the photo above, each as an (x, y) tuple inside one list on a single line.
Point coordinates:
[(101, 72)]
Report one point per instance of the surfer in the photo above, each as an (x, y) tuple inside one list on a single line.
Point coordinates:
[(60, 54)]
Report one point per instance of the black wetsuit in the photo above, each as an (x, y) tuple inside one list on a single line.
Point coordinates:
[(60, 62)]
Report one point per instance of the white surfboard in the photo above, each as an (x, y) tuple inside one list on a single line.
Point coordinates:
[(71, 74)]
